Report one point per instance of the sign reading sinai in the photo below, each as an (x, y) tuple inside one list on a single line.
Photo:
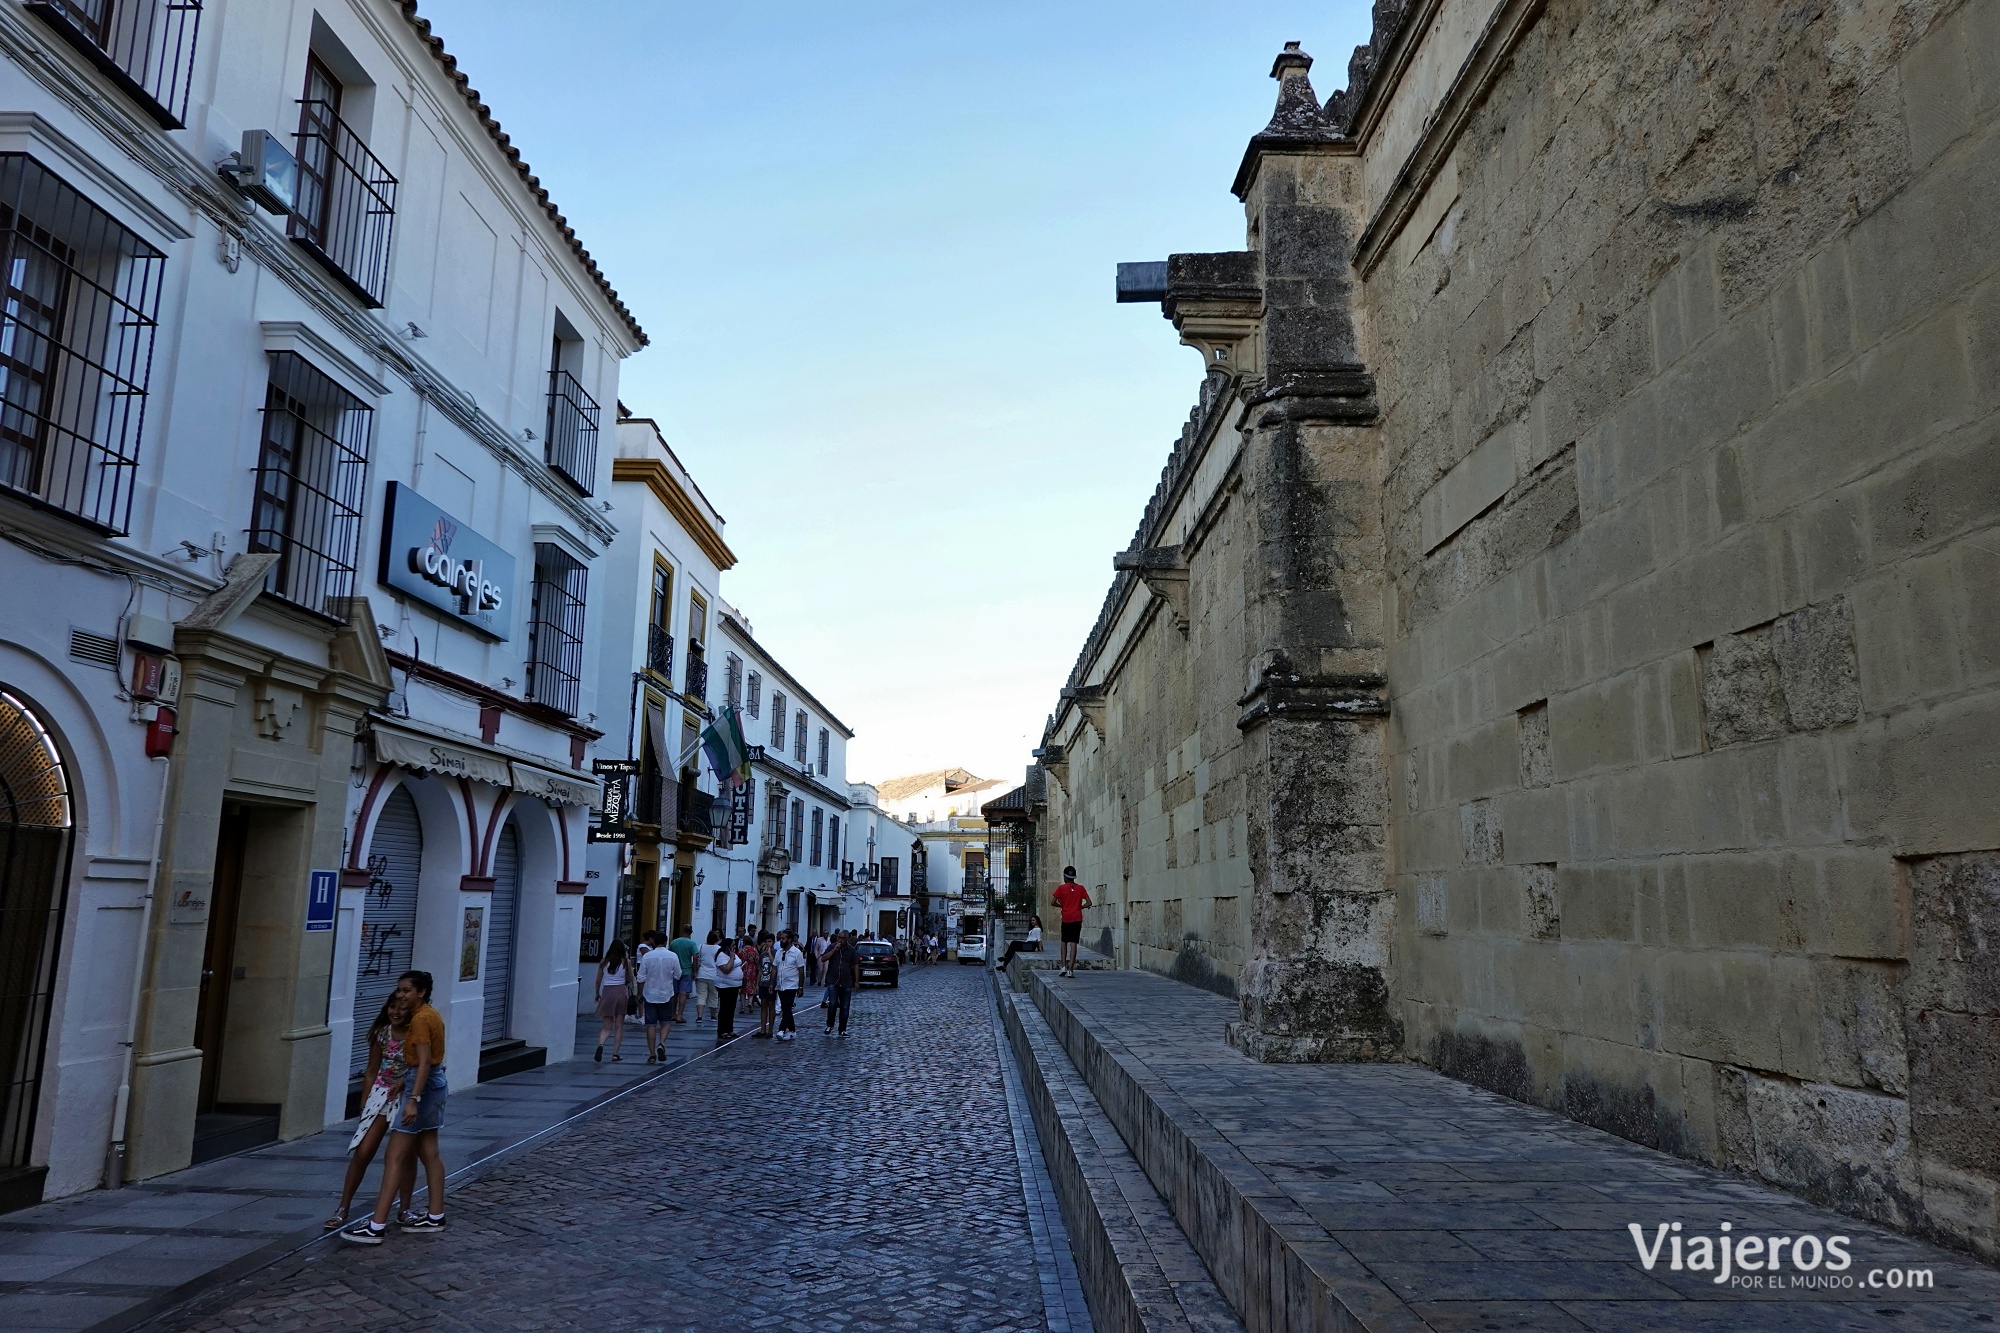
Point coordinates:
[(441, 562)]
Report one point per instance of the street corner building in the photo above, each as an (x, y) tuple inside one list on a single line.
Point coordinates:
[(1560, 647), (301, 375)]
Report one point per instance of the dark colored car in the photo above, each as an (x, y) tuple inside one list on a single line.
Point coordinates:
[(879, 965)]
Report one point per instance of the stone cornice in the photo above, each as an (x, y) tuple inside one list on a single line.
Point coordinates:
[(1284, 694), (676, 501)]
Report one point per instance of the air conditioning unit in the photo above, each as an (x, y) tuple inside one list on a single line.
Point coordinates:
[(265, 170)]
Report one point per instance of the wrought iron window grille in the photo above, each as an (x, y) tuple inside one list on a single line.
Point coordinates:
[(572, 431), (146, 47), (555, 629), (347, 202), (312, 474), (79, 300), (659, 652)]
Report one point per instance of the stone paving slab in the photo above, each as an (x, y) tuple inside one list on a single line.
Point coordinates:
[(112, 1259), (1390, 1197)]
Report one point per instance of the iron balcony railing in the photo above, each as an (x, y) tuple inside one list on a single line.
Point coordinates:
[(347, 203), (696, 812), (146, 47), (79, 301), (697, 676), (659, 652), (647, 808), (572, 432)]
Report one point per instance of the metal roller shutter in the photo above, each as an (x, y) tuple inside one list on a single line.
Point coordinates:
[(499, 985), (388, 916)]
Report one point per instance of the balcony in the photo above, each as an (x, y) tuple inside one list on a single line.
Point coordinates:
[(79, 300), (646, 804), (659, 652), (146, 47), (572, 431), (696, 816), (347, 203), (697, 677)]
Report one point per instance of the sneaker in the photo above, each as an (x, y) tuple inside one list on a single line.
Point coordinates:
[(425, 1226), (363, 1233)]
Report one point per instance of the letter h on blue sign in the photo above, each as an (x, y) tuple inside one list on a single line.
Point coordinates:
[(321, 899)]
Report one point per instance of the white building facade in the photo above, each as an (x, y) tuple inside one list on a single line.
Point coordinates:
[(300, 460)]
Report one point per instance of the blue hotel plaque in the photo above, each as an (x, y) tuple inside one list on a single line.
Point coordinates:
[(436, 559)]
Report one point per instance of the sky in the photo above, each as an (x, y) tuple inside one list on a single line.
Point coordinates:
[(873, 245)]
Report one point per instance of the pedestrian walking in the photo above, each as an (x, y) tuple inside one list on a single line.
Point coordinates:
[(705, 1001), (1032, 943), (767, 983), (684, 949), (1070, 899), (842, 972), (728, 989), (413, 1131), (384, 1080), (789, 973), (748, 965), (614, 975), (659, 975), (820, 944)]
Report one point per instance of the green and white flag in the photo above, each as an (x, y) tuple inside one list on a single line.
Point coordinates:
[(722, 741)]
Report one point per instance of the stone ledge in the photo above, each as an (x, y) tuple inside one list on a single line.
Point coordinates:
[(1140, 1274)]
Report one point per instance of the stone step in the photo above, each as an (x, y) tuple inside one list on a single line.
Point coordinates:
[(1139, 1273)]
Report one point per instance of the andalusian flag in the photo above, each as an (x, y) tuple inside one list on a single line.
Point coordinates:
[(722, 742)]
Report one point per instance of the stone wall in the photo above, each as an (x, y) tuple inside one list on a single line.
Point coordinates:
[(1620, 384)]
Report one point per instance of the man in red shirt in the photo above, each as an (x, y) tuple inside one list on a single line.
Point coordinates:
[(1071, 898)]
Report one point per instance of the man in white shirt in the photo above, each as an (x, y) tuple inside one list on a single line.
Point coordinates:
[(705, 975), (791, 969), (658, 970)]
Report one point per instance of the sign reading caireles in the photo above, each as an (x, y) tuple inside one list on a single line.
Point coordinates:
[(438, 560)]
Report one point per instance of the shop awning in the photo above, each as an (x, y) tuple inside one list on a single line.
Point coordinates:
[(558, 788), (433, 754)]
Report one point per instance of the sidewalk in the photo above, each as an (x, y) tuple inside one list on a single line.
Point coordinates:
[(1390, 1197), (112, 1259)]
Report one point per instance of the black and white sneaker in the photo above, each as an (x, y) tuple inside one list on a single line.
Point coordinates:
[(364, 1233), (425, 1226)]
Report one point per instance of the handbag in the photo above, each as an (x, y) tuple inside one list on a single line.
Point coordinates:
[(631, 1003)]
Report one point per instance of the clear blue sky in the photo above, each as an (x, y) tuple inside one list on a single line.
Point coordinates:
[(873, 244)]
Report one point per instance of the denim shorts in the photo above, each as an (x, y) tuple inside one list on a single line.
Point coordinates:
[(430, 1107), (685, 986), (657, 1014)]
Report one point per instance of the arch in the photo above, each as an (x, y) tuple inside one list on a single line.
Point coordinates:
[(37, 828), (547, 928), (75, 726)]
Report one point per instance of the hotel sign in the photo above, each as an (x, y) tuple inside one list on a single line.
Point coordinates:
[(433, 557)]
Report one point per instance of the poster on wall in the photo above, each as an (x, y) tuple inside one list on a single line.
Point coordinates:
[(468, 952), (591, 949)]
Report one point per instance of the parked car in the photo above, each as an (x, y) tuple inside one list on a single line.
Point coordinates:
[(878, 963), (971, 948)]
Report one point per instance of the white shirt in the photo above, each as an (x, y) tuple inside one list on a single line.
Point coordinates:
[(704, 968), (791, 968), (1034, 934), (658, 971), (732, 978), (819, 946)]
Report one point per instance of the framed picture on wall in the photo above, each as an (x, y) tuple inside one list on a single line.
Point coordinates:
[(468, 953)]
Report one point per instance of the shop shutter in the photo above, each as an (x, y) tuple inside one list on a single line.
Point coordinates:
[(388, 916), (499, 978)]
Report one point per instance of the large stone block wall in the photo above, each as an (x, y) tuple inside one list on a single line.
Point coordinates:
[(1667, 503), (1692, 478)]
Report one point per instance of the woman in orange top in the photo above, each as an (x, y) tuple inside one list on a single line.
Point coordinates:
[(414, 1125)]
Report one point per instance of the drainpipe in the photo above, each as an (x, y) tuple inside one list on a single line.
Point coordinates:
[(114, 1156)]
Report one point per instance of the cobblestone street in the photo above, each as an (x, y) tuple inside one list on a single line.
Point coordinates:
[(871, 1182)]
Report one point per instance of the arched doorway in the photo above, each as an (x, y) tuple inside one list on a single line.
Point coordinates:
[(36, 821), (497, 1001), (388, 918)]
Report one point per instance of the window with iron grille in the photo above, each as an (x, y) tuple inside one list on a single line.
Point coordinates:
[(819, 835), (733, 675), (774, 819), (825, 750), (756, 691), (832, 840), (798, 830), (659, 642), (79, 296), (347, 198), (555, 629), (799, 736), (572, 429), (778, 722), (312, 468), (146, 47)]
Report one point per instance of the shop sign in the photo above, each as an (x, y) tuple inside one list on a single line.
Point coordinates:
[(591, 948), (556, 788), (436, 559), (322, 897)]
